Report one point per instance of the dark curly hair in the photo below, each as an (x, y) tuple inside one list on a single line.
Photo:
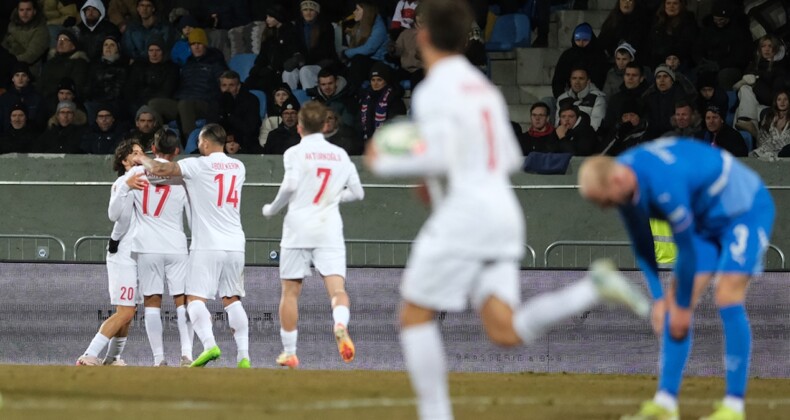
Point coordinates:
[(124, 149)]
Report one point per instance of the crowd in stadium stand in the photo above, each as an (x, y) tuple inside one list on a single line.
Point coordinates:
[(80, 75)]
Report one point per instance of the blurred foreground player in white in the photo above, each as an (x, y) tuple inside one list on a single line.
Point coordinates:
[(471, 247), (121, 267), (318, 177), (216, 258), (161, 249)]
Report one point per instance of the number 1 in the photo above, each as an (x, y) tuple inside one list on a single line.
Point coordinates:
[(489, 139), (322, 172)]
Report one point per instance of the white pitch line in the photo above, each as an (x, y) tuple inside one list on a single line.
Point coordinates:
[(102, 405)]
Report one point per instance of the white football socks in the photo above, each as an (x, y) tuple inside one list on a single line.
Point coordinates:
[(423, 353), (536, 315), (238, 321), (98, 344), (341, 315), (185, 332), (734, 403), (153, 328), (201, 322), (115, 348), (289, 340), (666, 400)]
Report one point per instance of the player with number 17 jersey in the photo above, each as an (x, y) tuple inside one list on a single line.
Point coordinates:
[(214, 184)]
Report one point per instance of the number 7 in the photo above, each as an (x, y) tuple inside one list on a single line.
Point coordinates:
[(322, 172)]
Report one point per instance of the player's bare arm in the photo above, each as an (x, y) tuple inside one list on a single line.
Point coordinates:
[(161, 169), (136, 181)]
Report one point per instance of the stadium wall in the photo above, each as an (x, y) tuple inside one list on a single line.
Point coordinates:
[(49, 313), (67, 196)]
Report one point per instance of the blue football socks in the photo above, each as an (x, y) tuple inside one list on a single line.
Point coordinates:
[(674, 354), (737, 347)]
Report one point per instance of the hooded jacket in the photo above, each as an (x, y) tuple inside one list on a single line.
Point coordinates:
[(27, 41), (92, 37), (591, 57), (590, 100)]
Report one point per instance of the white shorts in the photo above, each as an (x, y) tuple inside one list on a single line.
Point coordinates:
[(153, 269), (295, 262), (443, 282), (215, 272), (123, 284)]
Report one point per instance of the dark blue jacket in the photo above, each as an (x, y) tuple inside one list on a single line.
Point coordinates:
[(200, 76)]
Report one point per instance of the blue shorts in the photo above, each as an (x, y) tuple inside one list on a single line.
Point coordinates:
[(741, 246)]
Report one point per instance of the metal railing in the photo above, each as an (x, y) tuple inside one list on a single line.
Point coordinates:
[(30, 247), (585, 252)]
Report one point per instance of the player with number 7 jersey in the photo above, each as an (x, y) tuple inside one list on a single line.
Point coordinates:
[(216, 260), (318, 177)]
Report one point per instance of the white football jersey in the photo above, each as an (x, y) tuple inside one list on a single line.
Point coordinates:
[(214, 185), (120, 211), (159, 217), (463, 120), (320, 173)]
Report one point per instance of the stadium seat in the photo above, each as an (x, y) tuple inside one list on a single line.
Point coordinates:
[(301, 96), (261, 100), (747, 137), (242, 64), (510, 31)]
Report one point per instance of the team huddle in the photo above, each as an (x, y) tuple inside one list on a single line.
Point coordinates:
[(468, 252)]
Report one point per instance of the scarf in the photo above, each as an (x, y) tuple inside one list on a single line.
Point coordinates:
[(380, 111)]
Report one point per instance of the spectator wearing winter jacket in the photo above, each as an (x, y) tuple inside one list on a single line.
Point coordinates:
[(102, 137), (575, 132), (27, 37), (239, 110), (585, 95), (94, 28), (65, 61), (152, 77), (718, 134), (20, 91), (629, 131), (540, 137), (143, 29), (315, 48), (674, 29), (723, 44), (633, 86), (62, 135), (625, 23), (584, 51), (278, 46), (660, 100)]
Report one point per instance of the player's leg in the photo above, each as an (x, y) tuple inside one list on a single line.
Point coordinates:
[(175, 274), (151, 274), (294, 266), (231, 288), (118, 343), (331, 263), (204, 268)]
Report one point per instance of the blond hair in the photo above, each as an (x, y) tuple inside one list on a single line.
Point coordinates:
[(594, 173)]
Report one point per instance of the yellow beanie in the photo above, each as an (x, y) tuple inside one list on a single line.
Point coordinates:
[(198, 36)]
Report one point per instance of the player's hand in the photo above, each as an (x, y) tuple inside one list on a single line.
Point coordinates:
[(371, 154), (139, 159), (658, 315), (136, 182), (267, 210), (679, 320)]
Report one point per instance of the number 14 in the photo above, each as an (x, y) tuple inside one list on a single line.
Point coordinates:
[(233, 195)]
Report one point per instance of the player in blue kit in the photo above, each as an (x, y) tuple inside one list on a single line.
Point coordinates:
[(721, 216)]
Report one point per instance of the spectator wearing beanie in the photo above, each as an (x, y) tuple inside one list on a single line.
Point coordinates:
[(20, 134), (152, 77), (273, 120), (198, 87), (724, 45), (584, 51), (278, 46), (108, 77), (718, 134), (660, 100), (20, 91), (630, 131), (146, 123), (181, 51), (62, 135), (66, 90), (284, 136), (709, 93), (144, 28), (623, 55), (380, 102), (66, 60), (102, 137), (315, 47)]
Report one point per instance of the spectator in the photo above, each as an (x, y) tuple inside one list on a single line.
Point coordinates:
[(94, 28), (227, 14), (63, 134), (367, 41), (108, 77), (660, 100), (341, 135), (633, 86), (274, 109), (629, 131), (380, 102), (540, 137), (143, 29), (674, 29), (404, 17), (623, 55), (66, 92), (575, 132), (27, 37), (673, 62), (59, 14), (122, 13), (625, 23), (64, 61), (718, 134), (104, 136), (239, 110), (278, 45), (181, 51), (146, 123), (232, 147), (198, 86), (765, 75), (315, 47), (152, 77), (583, 51), (774, 132), (710, 94), (475, 47), (332, 92), (405, 47), (20, 91), (587, 98), (284, 136), (686, 122), (18, 138), (723, 43)]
